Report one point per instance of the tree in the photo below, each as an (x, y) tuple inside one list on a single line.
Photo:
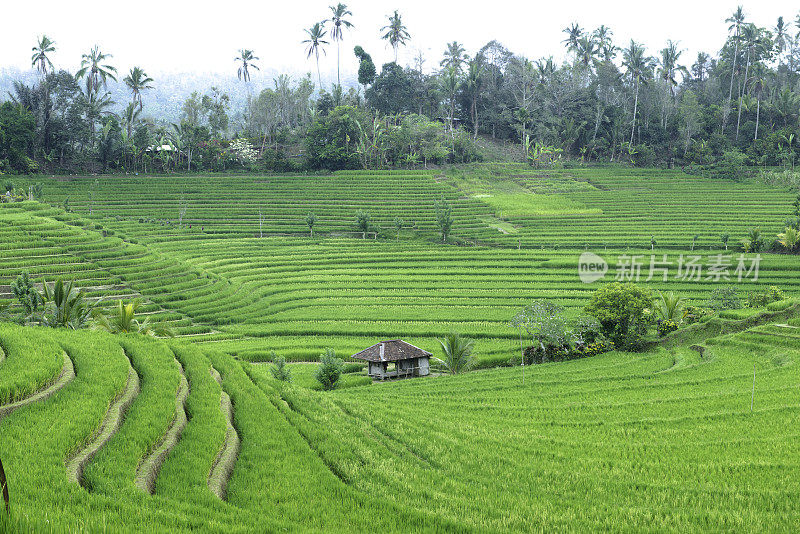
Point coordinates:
[(736, 20), (444, 218), (310, 220), (248, 62), (574, 33), (316, 42), (457, 352), (40, 59), (363, 222), (690, 115), (17, 134), (123, 321), (789, 238), (65, 306), (638, 67), (329, 370), (366, 68), (455, 57), (669, 68), (279, 369), (338, 14), (473, 83), (95, 69), (137, 81), (331, 141), (396, 32), (621, 310), (26, 293), (215, 106), (392, 92), (398, 224)]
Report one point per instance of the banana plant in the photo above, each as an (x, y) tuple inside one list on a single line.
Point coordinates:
[(123, 321)]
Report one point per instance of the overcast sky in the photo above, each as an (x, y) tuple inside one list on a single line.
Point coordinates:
[(179, 35)]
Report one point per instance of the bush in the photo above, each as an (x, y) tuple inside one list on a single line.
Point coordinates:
[(623, 311), (666, 326), (725, 298), (279, 369), (730, 166), (330, 370), (693, 314), (759, 299)]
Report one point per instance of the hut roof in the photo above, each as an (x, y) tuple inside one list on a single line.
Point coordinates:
[(391, 351)]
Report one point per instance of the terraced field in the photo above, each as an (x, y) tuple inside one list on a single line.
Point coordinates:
[(664, 440), (212, 275)]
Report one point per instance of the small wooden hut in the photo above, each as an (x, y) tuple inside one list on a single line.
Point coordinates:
[(395, 359)]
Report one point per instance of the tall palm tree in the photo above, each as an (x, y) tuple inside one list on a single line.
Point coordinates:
[(96, 71), (472, 83), (39, 59), (316, 41), (130, 117), (701, 66), (603, 36), (137, 81), (781, 32), (736, 20), (586, 50), (758, 84), (247, 58), (668, 69), (396, 32), (338, 14), (454, 57), (754, 40), (638, 67), (574, 33)]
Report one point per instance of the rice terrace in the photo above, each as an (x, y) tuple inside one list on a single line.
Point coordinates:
[(464, 292)]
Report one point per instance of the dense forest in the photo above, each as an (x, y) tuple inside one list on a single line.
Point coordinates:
[(608, 101)]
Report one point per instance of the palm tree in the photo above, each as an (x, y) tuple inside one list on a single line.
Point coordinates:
[(315, 42), (603, 36), (574, 33), (247, 58), (586, 50), (457, 353), (781, 32), (137, 81), (93, 68), (454, 57), (39, 59), (472, 83), (759, 83), (789, 238), (638, 67), (124, 321), (97, 105), (450, 84), (667, 305), (396, 32), (736, 20), (338, 14), (66, 306), (754, 39), (668, 69), (701, 66), (130, 117)]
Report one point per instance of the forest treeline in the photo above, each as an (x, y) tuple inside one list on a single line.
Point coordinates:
[(608, 101)]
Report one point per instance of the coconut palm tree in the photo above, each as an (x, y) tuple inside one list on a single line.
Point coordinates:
[(472, 83), (736, 20), (338, 14), (789, 238), (603, 36), (587, 50), (316, 41), (396, 32), (124, 321), (39, 59), (457, 353), (65, 306), (638, 67), (668, 305), (96, 71), (781, 33), (755, 41), (757, 86), (668, 69), (137, 81), (574, 33), (454, 57), (247, 58)]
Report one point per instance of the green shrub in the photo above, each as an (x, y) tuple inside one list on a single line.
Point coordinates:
[(725, 298), (279, 369), (693, 314), (666, 326), (330, 370), (623, 310)]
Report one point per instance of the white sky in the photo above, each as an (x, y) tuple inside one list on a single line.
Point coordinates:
[(200, 36)]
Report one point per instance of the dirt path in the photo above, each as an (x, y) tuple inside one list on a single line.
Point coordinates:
[(66, 376), (148, 469), (226, 458), (108, 427)]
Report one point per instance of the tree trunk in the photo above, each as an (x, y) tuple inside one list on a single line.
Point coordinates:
[(758, 112), (635, 106), (730, 90), (741, 94)]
